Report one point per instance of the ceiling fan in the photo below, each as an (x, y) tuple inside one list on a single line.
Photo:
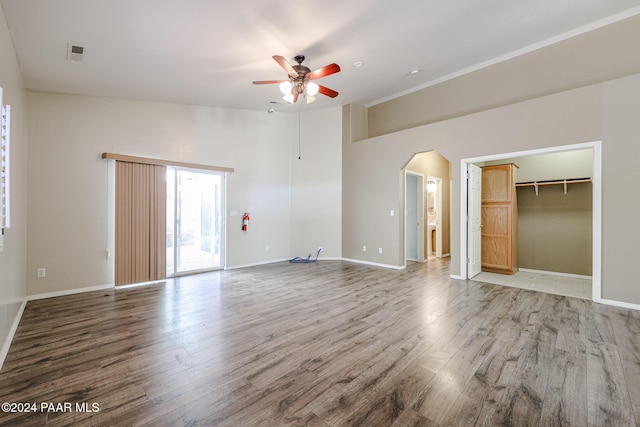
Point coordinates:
[(300, 80)]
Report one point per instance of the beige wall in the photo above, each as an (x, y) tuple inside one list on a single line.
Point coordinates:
[(316, 185), (13, 258), (555, 229), (432, 164), (70, 226), (621, 207), (608, 112), (597, 56)]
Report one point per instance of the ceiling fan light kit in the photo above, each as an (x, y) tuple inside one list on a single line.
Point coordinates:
[(312, 88), (300, 80)]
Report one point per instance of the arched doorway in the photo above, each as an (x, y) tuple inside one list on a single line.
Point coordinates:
[(427, 203)]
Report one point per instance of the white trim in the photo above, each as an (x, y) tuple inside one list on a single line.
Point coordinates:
[(596, 181), (555, 273), (620, 304), (69, 292), (14, 327), (464, 209), (223, 222), (456, 277), (375, 264), (514, 54), (596, 187), (439, 221), (533, 152)]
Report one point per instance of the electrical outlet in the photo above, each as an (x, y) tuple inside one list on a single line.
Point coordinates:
[(379, 250), (42, 272), (364, 248), (320, 248)]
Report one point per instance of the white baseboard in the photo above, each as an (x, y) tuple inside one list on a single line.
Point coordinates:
[(69, 292), (375, 264), (357, 261), (555, 273), (620, 304), (14, 327), (456, 277), (273, 261)]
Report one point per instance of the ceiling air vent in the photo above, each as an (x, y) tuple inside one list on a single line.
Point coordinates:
[(75, 53)]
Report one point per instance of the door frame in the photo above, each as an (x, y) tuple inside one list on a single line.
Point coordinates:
[(438, 203), (596, 181), (420, 215), (223, 221)]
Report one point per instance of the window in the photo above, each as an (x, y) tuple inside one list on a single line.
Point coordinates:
[(5, 217)]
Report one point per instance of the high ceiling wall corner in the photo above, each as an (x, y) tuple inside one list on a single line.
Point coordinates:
[(355, 123)]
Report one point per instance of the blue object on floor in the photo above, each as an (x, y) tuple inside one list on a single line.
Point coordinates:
[(306, 260)]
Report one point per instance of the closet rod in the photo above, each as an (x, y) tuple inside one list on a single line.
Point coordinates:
[(552, 182)]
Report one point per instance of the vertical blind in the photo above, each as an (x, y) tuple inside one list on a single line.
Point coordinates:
[(140, 222)]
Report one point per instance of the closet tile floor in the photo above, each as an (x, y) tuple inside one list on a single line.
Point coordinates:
[(549, 283)]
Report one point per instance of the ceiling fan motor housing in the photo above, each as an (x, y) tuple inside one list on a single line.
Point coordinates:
[(302, 70)]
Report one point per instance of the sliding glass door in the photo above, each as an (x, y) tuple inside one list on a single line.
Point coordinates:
[(195, 218)]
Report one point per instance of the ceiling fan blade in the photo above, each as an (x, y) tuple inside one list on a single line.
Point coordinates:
[(268, 82), (285, 65), (326, 91), (323, 72)]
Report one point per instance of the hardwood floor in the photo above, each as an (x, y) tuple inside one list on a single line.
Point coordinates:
[(325, 344)]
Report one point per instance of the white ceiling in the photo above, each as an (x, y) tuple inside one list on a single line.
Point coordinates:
[(207, 52)]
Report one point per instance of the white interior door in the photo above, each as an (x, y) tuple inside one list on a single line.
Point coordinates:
[(474, 212), (414, 211)]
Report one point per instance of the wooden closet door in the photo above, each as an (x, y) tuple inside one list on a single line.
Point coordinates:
[(497, 184), (499, 217), (496, 236)]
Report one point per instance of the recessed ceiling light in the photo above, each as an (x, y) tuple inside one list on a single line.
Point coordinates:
[(413, 72), (358, 64)]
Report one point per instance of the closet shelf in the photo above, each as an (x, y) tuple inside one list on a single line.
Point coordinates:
[(537, 184)]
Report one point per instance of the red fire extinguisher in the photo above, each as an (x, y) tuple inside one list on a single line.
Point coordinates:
[(245, 221)]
